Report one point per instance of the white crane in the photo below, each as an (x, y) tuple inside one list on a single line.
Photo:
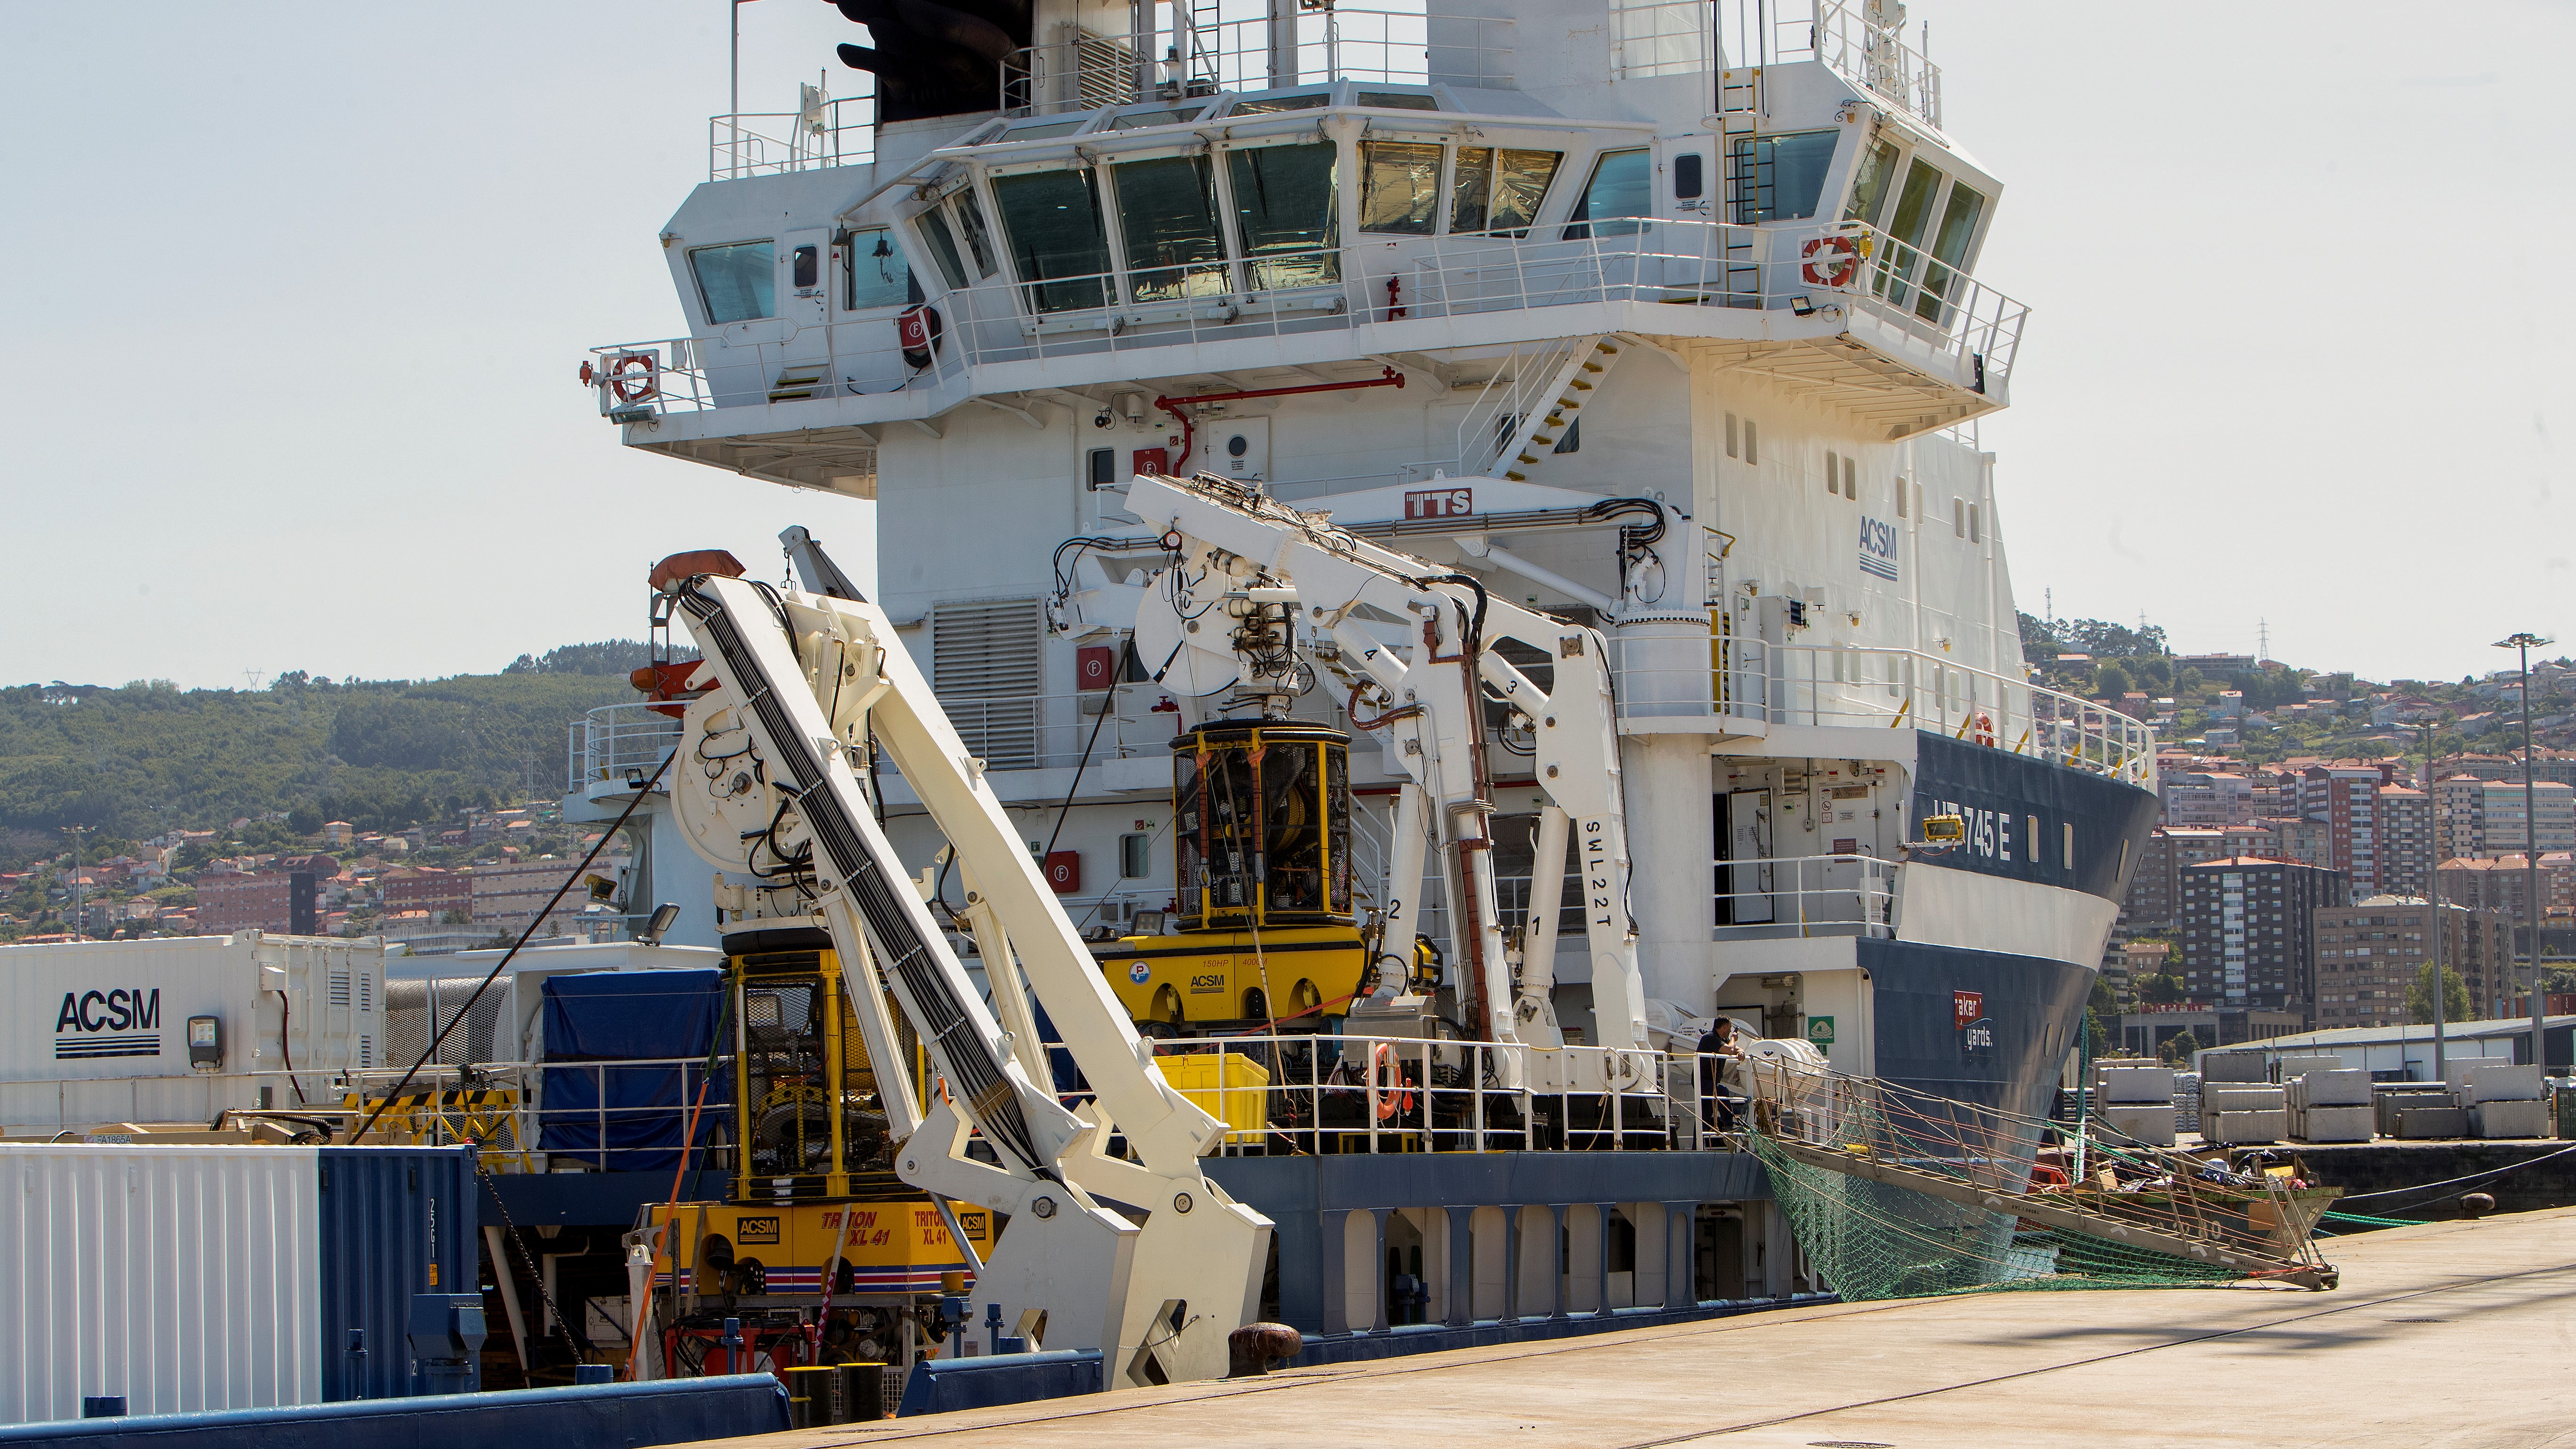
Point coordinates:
[(1146, 1260), (1256, 589)]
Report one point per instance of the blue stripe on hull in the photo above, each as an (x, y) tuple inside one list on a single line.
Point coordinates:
[(2001, 794), (2032, 1005)]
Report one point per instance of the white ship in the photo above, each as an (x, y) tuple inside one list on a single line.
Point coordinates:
[(1658, 318)]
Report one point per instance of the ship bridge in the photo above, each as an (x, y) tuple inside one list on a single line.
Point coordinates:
[(1447, 201)]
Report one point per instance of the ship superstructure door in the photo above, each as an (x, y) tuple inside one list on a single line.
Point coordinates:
[(1744, 889), (804, 292)]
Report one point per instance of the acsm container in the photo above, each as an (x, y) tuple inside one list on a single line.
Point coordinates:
[(178, 1029), (195, 1278)]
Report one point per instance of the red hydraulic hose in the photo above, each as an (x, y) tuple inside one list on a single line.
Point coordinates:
[(1189, 432)]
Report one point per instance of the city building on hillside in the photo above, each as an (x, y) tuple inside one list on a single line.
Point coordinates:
[(2475, 817), (2501, 883), (2405, 841), (2246, 927), (508, 896), (427, 888), (2146, 1030), (2155, 886), (2140, 960), (2368, 954)]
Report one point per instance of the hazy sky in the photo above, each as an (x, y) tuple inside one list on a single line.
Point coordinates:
[(295, 294)]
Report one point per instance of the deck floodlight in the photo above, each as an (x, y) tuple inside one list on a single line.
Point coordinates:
[(1803, 305), (665, 916)]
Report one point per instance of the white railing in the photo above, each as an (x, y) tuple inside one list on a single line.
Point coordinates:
[(1320, 1093), (1407, 1094), (1328, 44), (1693, 37), (1806, 895), (1951, 321), (832, 133), (1681, 677), (1875, 56), (608, 743)]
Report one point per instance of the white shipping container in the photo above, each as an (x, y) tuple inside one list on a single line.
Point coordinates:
[(99, 1029), (194, 1278)]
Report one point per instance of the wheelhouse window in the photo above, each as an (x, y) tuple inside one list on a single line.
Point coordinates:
[(943, 247), (1959, 218), (979, 236), (1399, 187), (1499, 191), (736, 281), (1778, 178), (1394, 101), (873, 273), (1284, 201), (1265, 105), (1907, 223), (1167, 208), (1057, 238), (1620, 190), (1869, 188)]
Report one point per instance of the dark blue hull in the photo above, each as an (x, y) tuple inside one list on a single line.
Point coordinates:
[(2008, 1055), (1994, 1027)]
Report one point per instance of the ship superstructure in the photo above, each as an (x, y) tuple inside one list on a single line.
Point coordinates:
[(1577, 253), (1661, 319)]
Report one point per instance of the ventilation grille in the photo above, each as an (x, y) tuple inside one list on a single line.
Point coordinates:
[(985, 669), (339, 986)]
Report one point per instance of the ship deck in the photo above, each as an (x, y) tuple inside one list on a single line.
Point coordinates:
[(2406, 1353)]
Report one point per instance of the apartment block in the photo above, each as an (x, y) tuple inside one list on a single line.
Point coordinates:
[(2247, 927)]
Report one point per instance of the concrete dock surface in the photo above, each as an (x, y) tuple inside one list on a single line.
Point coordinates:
[(2449, 1334)]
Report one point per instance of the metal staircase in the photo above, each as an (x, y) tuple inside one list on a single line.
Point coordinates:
[(1520, 417), (1536, 435)]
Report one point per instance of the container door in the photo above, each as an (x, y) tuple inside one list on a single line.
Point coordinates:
[(1747, 898)]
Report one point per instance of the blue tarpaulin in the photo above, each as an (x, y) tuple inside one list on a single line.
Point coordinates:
[(629, 1118)]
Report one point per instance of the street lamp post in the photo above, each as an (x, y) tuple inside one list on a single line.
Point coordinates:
[(2433, 901), (2524, 642)]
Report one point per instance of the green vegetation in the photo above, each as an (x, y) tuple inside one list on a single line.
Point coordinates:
[(132, 762), (2455, 996)]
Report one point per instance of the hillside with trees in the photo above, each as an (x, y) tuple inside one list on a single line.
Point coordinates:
[(149, 757)]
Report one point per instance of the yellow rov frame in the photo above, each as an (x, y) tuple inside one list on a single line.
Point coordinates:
[(899, 1246), (1261, 814)]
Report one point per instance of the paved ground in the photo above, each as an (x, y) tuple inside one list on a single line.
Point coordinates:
[(2451, 1334)]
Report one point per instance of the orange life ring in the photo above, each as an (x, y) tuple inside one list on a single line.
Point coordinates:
[(635, 376), (1386, 1083), (1985, 729), (1841, 261)]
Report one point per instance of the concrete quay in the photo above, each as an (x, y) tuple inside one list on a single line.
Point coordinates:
[(2448, 1334)]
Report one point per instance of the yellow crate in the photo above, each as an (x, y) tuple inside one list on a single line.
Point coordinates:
[(1228, 1086)]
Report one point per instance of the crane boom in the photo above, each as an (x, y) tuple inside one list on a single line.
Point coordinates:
[(1423, 640), (1146, 1260)]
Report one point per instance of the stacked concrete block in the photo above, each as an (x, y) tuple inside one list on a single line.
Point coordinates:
[(2480, 1083), (2137, 1103), (2330, 1104), (2288, 1069), (2432, 1122), (2333, 1087), (2390, 1098), (2233, 1067), (2270, 1125), (2244, 1112), (2331, 1124), (2503, 1100), (2516, 1118)]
